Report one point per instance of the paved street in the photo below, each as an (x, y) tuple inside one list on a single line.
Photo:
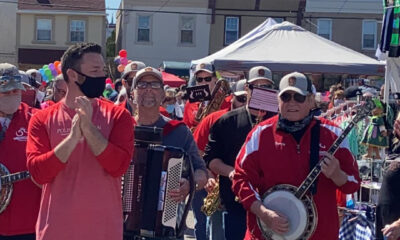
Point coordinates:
[(190, 224)]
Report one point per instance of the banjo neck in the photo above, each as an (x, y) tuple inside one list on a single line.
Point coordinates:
[(313, 175), (15, 177)]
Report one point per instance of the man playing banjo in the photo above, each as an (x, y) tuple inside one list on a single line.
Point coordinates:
[(277, 152)]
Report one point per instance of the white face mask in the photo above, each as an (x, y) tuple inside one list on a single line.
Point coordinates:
[(10, 104), (40, 96)]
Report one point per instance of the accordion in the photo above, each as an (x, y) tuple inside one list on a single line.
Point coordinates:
[(155, 169)]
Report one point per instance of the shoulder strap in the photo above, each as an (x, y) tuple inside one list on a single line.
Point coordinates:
[(314, 152)]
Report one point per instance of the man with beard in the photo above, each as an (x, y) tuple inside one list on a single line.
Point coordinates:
[(149, 93), (78, 149), (224, 144), (19, 218)]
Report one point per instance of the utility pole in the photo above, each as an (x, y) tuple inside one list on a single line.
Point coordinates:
[(300, 12)]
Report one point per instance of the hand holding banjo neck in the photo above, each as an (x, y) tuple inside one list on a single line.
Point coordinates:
[(294, 202), (362, 111)]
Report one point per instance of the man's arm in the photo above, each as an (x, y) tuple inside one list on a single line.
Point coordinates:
[(115, 153), (219, 167), (42, 162)]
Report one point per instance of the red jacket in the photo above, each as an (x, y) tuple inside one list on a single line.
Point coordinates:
[(21, 214), (270, 157)]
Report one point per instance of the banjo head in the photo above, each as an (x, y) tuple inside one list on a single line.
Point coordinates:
[(301, 213), (5, 189)]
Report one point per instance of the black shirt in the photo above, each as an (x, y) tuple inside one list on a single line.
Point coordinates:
[(226, 138)]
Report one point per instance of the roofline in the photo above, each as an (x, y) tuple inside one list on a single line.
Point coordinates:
[(63, 12)]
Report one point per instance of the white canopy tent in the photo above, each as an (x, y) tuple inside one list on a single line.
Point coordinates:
[(286, 47)]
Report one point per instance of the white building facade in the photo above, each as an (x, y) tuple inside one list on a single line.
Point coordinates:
[(155, 31)]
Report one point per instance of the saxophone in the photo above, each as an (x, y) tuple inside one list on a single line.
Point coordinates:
[(212, 202), (218, 94)]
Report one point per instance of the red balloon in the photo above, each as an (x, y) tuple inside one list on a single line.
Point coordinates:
[(108, 80), (123, 53)]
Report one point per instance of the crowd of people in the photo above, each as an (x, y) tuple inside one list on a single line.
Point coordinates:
[(75, 136)]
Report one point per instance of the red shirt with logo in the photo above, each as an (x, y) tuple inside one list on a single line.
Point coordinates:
[(21, 214), (270, 157), (81, 198)]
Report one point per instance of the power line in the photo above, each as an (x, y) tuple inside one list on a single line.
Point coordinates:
[(289, 13)]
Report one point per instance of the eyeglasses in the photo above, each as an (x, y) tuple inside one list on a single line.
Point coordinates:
[(200, 79), (153, 85), (241, 99), (286, 97), (5, 79)]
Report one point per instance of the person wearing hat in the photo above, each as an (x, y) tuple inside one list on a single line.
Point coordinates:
[(127, 78), (204, 74), (224, 144), (78, 149), (277, 151), (18, 220), (200, 135), (148, 88)]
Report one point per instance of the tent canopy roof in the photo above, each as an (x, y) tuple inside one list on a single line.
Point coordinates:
[(287, 47)]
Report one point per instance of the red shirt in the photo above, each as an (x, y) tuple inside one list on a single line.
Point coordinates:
[(21, 214), (81, 198), (202, 131), (190, 111), (270, 157)]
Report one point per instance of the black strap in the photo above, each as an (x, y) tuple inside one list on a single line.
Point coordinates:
[(314, 153)]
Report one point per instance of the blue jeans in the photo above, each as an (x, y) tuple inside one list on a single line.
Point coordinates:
[(200, 227)]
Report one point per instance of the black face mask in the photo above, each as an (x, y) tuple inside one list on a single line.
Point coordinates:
[(92, 87)]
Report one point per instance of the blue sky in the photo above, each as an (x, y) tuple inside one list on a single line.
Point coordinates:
[(112, 4)]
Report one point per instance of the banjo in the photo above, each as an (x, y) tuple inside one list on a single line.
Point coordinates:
[(6, 185), (294, 202)]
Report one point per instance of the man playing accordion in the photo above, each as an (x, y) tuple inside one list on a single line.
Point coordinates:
[(148, 91)]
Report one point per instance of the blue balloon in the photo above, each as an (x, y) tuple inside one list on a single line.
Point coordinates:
[(117, 60)]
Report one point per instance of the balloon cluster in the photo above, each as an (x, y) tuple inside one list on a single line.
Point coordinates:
[(109, 81), (121, 61), (50, 71)]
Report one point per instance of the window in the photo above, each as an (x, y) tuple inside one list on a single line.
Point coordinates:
[(143, 29), (43, 29), (369, 34), (231, 29), (77, 30), (325, 28), (187, 29)]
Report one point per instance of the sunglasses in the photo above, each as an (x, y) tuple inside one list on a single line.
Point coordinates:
[(153, 85), (286, 97), (200, 79), (5, 79), (241, 99)]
